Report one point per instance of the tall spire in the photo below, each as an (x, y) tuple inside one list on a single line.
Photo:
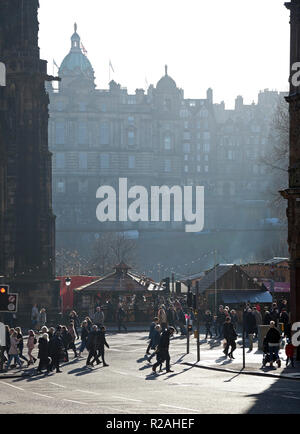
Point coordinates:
[(166, 69)]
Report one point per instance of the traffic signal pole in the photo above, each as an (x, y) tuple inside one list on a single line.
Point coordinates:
[(198, 322)]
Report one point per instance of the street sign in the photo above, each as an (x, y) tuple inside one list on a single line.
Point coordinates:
[(8, 302)]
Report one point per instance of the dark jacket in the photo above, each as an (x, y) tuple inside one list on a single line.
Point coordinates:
[(273, 336), (43, 349), (221, 316), (155, 339), (151, 331), (92, 340), (164, 340), (55, 345), (84, 333), (208, 319), (66, 338), (250, 323), (229, 331), (121, 314), (100, 340)]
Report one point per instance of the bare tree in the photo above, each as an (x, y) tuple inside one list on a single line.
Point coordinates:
[(276, 159), (110, 249)]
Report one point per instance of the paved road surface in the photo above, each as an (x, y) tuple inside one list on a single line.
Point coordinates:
[(127, 386)]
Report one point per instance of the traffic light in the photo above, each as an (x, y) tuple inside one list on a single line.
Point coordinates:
[(4, 298), (166, 283)]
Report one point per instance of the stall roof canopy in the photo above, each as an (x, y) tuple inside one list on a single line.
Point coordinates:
[(120, 281), (242, 296)]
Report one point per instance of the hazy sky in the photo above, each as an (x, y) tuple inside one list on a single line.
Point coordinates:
[(236, 47)]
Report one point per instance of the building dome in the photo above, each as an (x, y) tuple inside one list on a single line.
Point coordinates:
[(166, 83), (76, 63)]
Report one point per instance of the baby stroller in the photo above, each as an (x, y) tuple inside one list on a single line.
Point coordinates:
[(266, 355)]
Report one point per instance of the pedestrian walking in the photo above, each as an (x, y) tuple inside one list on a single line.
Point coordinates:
[(13, 350), (72, 333), (151, 332), (208, 319), (234, 319), (89, 322), (163, 349), (250, 326), (34, 316), (258, 319), (273, 337), (230, 335), (121, 314), (98, 317), (43, 354), (172, 317), (221, 316), (91, 345), (155, 341), (162, 317), (181, 320), (56, 348), (21, 344), (289, 351), (84, 336), (42, 317), (100, 344), (31, 343), (284, 318), (274, 312), (74, 317)]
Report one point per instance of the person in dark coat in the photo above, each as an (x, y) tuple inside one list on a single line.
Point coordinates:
[(267, 318), (285, 319), (43, 354), (221, 316), (208, 320), (230, 335), (121, 314), (163, 350), (274, 312), (250, 326), (100, 343), (151, 332), (84, 336), (155, 341), (91, 345), (56, 347), (273, 339)]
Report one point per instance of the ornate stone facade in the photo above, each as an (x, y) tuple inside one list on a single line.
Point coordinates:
[(27, 223)]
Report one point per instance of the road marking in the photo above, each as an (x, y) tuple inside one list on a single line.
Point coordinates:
[(120, 372), (44, 396), (127, 399), (15, 387), (76, 402), (55, 384), (179, 408)]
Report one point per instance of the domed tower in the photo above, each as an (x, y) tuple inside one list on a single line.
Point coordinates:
[(167, 95), (76, 69)]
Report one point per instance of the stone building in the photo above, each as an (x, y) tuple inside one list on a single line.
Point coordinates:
[(27, 223), (153, 137)]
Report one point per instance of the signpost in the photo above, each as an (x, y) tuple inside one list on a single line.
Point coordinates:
[(198, 321)]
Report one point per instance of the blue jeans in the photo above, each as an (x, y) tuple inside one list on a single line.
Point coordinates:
[(17, 360), (82, 345), (273, 353)]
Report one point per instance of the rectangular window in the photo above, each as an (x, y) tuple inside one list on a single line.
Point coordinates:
[(131, 138), (60, 160), (61, 186), (82, 160), (206, 147), (186, 168), (198, 168), (104, 133), (186, 148), (131, 162), (60, 133), (82, 134), (104, 161), (167, 165), (167, 142)]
